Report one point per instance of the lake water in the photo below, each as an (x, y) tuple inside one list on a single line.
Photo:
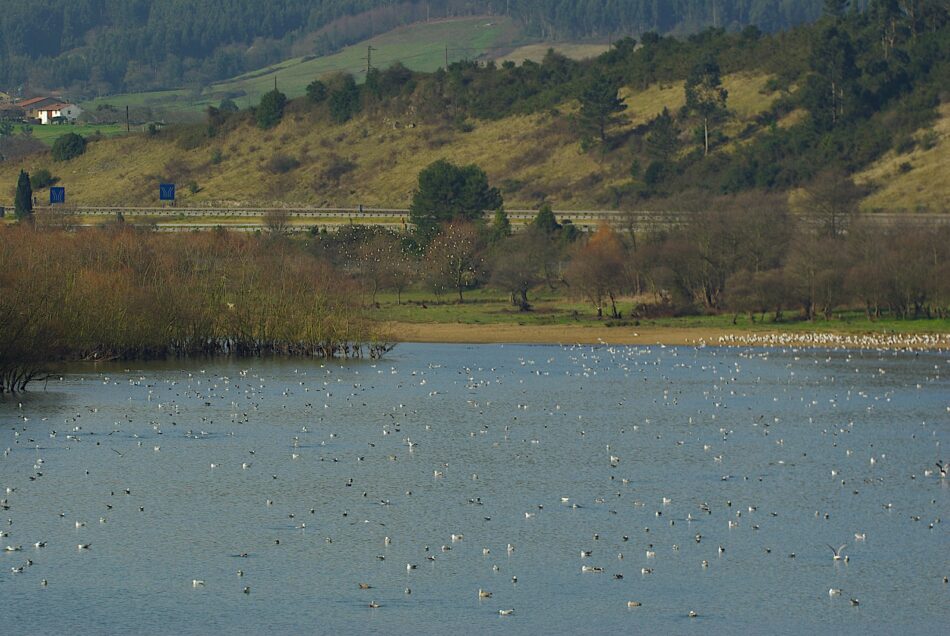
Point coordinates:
[(295, 471)]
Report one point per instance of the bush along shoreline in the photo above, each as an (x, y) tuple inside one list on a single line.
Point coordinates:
[(122, 294)]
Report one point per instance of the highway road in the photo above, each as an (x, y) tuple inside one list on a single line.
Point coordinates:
[(303, 218)]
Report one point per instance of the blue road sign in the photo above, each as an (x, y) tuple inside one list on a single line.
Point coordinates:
[(57, 195), (166, 192)]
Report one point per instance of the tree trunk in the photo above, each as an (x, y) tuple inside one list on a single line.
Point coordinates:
[(524, 304), (706, 136)]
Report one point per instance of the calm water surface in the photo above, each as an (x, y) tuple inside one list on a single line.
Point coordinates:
[(305, 467)]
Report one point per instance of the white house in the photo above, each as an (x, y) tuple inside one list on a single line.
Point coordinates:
[(63, 111)]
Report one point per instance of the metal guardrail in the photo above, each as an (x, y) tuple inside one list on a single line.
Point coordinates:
[(399, 217)]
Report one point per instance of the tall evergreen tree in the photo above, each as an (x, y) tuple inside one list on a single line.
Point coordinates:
[(662, 140), (835, 8), (545, 220), (447, 192), (705, 95), (500, 225), (271, 109), (23, 202), (830, 89), (600, 101), (344, 98)]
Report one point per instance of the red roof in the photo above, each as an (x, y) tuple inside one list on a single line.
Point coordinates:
[(32, 100)]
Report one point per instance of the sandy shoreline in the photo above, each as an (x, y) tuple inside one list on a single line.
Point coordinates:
[(581, 334)]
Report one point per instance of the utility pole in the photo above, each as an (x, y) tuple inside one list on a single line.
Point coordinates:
[(128, 124), (446, 57), (369, 58)]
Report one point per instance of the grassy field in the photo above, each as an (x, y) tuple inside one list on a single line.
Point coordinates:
[(914, 181), (488, 307), (49, 134), (421, 47), (573, 50)]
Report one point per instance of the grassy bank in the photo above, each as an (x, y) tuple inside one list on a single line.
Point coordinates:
[(488, 317)]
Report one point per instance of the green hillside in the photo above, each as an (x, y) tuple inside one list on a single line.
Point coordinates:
[(101, 47), (420, 47)]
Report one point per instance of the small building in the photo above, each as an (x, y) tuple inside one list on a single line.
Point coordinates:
[(60, 112), (49, 110)]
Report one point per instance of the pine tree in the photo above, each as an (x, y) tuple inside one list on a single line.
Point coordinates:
[(545, 220), (835, 8), (662, 139), (344, 98), (600, 100), (831, 89), (705, 95), (500, 225), (23, 203), (446, 193), (271, 109)]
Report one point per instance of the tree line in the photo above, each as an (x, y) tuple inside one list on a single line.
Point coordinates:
[(103, 46), (120, 293), (752, 255), (753, 259)]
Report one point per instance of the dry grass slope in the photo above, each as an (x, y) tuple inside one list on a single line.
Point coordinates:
[(376, 160), (917, 180)]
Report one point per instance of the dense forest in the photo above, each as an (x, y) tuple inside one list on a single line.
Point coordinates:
[(104, 46)]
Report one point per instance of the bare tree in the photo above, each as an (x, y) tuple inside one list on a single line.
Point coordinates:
[(453, 259), (518, 265), (277, 222), (597, 268), (832, 200)]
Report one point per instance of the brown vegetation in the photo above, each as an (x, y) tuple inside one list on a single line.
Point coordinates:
[(751, 257), (120, 293)]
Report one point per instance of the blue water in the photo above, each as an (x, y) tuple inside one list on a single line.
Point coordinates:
[(497, 432)]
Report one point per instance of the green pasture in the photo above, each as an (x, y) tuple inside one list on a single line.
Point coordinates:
[(49, 134), (420, 47), (484, 306)]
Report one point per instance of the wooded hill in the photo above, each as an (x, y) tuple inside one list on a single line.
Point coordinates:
[(656, 123), (95, 47)]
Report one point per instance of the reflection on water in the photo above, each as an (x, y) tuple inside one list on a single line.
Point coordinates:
[(704, 480)]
